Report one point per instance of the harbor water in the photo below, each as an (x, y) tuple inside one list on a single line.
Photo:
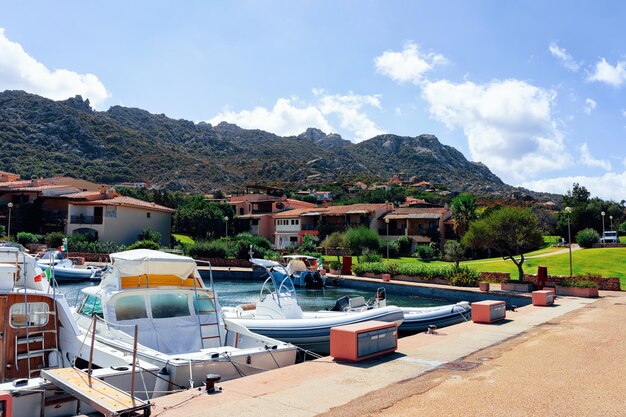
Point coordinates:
[(235, 292)]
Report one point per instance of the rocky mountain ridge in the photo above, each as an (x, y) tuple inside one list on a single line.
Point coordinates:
[(41, 137)]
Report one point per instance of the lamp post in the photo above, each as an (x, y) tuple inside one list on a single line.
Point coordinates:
[(568, 210), (10, 206), (226, 220), (611, 219), (387, 242), (602, 213)]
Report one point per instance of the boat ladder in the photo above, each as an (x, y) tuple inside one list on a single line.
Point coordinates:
[(103, 397), (216, 324)]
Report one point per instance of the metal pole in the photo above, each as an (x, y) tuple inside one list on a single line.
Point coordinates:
[(132, 377), (569, 238), (93, 341), (9, 225)]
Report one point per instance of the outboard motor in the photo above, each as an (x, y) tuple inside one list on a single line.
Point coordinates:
[(342, 304), (381, 297)]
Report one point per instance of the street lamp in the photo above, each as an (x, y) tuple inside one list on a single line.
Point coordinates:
[(611, 218), (568, 210), (10, 206), (602, 213), (226, 220), (387, 222)]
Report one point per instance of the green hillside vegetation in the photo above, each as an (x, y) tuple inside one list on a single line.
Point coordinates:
[(41, 137)]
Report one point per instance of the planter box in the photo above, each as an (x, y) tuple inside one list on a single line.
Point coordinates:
[(484, 286), (519, 287), (577, 292), (335, 271)]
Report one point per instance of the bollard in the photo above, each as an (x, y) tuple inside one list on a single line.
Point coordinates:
[(542, 276), (210, 381)]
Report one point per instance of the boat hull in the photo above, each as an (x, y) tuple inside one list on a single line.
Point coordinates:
[(313, 331), (419, 319)]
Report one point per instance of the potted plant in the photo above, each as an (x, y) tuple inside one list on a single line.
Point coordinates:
[(578, 288), (483, 286), (335, 267)]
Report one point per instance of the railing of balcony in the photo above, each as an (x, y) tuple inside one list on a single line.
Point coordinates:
[(82, 219)]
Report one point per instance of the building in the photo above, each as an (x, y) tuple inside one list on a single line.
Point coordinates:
[(291, 226), (258, 209), (420, 224), (118, 219)]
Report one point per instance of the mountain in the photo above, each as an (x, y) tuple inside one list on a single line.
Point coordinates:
[(41, 137)]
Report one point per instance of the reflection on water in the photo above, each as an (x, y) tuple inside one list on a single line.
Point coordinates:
[(234, 292)]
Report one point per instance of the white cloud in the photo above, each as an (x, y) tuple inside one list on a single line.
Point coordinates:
[(562, 55), (286, 118), (508, 124), (604, 72), (20, 71), (409, 65), (590, 104), (610, 185), (587, 159)]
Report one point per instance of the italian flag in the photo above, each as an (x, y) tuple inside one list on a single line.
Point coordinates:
[(48, 272)]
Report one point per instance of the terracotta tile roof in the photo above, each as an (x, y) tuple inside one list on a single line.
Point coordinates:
[(419, 213), (39, 188), (253, 198), (333, 210), (297, 212), (13, 184), (82, 194), (124, 201)]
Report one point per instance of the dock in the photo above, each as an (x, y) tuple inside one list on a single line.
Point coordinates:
[(559, 360)]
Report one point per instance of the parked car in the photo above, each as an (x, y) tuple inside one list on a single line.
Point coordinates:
[(610, 237)]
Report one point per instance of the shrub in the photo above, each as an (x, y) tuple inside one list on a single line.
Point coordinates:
[(369, 256), (587, 237), (426, 252), (360, 238), (393, 248), (80, 243), (579, 283), (465, 277), (454, 251), (149, 234), (144, 244), (3, 230), (404, 246), (373, 267), (24, 238), (54, 239), (336, 265), (204, 249)]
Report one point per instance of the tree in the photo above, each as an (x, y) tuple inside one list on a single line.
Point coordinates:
[(360, 238), (454, 250), (149, 234), (510, 231), (336, 241), (463, 212)]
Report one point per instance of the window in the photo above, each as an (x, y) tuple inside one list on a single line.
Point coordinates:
[(148, 215), (169, 305), (241, 211), (31, 314), (293, 239), (91, 306), (203, 304), (130, 307)]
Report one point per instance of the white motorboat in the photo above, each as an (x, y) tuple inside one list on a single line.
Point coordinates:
[(38, 335), (177, 318), (64, 269), (305, 271), (277, 314), (416, 319)]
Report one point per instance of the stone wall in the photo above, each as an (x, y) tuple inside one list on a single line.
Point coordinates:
[(90, 257)]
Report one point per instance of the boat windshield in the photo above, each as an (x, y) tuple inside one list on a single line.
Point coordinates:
[(278, 284)]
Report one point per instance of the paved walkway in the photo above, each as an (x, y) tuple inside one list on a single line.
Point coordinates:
[(566, 360)]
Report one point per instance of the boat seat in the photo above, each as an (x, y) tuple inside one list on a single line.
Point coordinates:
[(248, 307), (357, 302)]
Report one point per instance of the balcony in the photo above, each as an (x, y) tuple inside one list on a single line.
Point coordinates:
[(82, 219), (309, 227)]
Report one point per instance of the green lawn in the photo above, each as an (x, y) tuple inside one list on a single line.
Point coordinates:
[(608, 262), (183, 239)]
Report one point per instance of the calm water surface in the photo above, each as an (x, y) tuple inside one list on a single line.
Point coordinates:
[(235, 292)]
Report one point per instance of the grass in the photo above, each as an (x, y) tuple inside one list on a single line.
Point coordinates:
[(183, 239)]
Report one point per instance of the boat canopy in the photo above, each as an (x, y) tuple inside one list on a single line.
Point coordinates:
[(150, 268), (147, 262)]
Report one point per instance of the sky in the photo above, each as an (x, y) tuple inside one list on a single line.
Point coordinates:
[(535, 90)]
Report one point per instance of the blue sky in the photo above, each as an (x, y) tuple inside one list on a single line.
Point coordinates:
[(535, 89)]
